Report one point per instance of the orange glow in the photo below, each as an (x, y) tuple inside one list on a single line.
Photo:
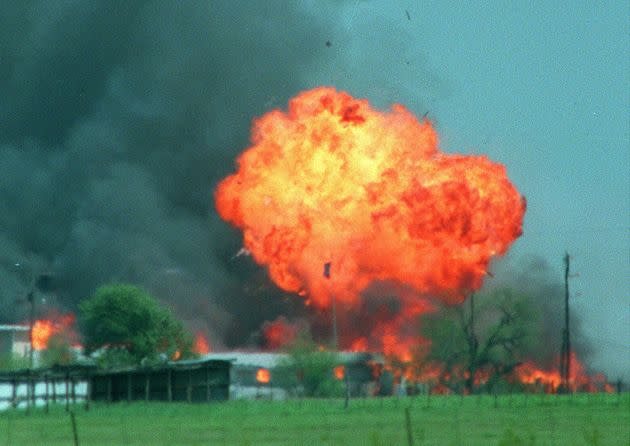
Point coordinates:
[(359, 345), (176, 355), (579, 380), (279, 333), (528, 373), (339, 372), (44, 329), (201, 347), (334, 182), (263, 376)]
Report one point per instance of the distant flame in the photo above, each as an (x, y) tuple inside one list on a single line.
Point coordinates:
[(44, 329), (339, 372), (279, 332), (263, 376), (202, 346), (359, 345), (551, 380)]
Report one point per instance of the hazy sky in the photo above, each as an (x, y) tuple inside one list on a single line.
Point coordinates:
[(118, 118), (542, 87)]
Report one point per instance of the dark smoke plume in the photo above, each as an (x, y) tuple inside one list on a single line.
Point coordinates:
[(117, 120)]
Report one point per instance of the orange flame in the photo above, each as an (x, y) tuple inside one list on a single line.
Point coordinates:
[(44, 329), (263, 376), (279, 332), (551, 380), (359, 345), (202, 346), (339, 372), (334, 196)]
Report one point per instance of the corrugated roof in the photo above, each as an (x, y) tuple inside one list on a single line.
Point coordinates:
[(15, 327)]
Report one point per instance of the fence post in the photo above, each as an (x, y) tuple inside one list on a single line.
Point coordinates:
[(75, 434), (408, 427)]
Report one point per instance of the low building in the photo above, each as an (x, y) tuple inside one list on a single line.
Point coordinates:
[(15, 340), (253, 374), (188, 380), (258, 375)]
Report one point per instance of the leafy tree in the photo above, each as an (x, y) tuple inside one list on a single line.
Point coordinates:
[(476, 344), (58, 351), (12, 361), (130, 326), (309, 369)]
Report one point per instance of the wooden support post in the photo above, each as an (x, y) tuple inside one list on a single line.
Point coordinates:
[(207, 384), (73, 391), (147, 386), (67, 393), (169, 385), (129, 387), (46, 396), (54, 391), (189, 387), (14, 401), (109, 388), (33, 393), (28, 392), (88, 391)]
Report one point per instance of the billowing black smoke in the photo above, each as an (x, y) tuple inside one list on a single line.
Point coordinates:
[(117, 119)]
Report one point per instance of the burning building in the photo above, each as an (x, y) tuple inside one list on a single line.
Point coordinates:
[(259, 375)]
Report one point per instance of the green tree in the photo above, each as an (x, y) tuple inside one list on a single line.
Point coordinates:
[(476, 344), (12, 361), (130, 326), (58, 351), (310, 369)]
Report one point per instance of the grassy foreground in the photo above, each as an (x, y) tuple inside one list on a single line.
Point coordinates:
[(438, 420)]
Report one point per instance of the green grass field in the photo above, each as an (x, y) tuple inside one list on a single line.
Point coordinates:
[(597, 419)]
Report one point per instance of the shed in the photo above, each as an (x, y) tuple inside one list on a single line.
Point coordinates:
[(187, 380)]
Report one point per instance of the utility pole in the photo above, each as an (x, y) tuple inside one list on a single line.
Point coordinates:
[(30, 297), (334, 323), (335, 340), (473, 345), (565, 357)]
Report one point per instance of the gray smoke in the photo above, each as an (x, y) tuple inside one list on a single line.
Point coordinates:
[(532, 277)]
